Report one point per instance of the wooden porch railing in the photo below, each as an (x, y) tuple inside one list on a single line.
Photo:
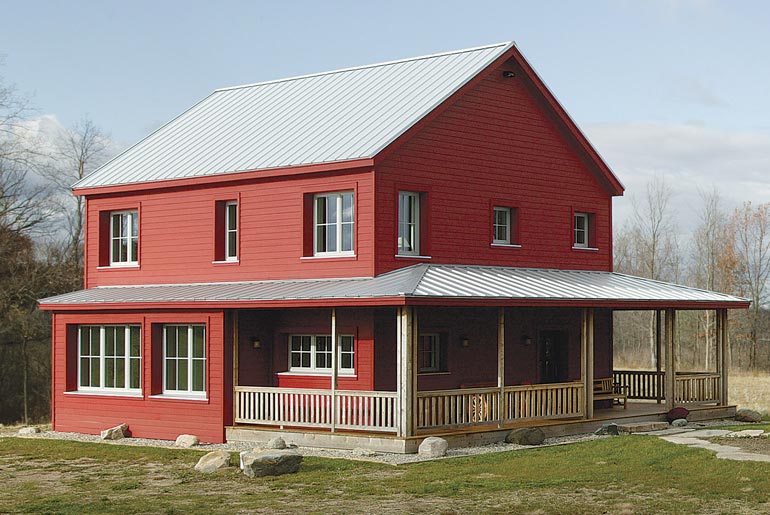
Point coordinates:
[(689, 387), (357, 410), (544, 401)]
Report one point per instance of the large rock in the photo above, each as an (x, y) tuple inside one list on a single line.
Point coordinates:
[(115, 433), (747, 415), (642, 427), (25, 431), (433, 447), (276, 443), (270, 463), (186, 441), (679, 422), (607, 429), (526, 436), (213, 461)]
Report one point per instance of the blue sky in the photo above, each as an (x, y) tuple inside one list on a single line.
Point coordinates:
[(672, 88)]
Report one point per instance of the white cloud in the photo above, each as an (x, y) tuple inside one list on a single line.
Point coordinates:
[(689, 157)]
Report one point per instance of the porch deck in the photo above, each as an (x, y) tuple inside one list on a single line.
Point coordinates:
[(480, 434)]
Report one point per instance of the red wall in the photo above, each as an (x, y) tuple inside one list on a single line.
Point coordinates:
[(494, 146), (177, 232), (146, 416), (268, 366)]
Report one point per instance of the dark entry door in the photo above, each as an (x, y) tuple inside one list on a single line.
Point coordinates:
[(552, 356)]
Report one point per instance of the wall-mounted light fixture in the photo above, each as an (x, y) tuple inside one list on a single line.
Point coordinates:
[(465, 342), (256, 343), (526, 339)]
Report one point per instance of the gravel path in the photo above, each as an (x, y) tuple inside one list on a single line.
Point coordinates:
[(357, 454)]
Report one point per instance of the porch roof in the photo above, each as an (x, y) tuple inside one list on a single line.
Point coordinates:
[(429, 284)]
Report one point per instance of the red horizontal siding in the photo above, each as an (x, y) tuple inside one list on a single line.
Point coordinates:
[(495, 146), (146, 416), (177, 232)]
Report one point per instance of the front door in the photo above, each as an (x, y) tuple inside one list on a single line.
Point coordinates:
[(552, 356)]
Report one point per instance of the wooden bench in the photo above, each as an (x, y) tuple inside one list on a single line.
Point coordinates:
[(605, 389)]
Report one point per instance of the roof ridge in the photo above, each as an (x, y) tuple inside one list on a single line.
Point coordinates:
[(364, 67)]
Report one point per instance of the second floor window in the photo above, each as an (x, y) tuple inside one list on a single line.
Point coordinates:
[(408, 223), (582, 230), (334, 224), (501, 225), (124, 238), (231, 231)]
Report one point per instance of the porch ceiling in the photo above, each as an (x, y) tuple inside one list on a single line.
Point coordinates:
[(418, 284)]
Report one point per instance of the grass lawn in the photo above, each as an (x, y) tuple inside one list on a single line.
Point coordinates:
[(630, 474)]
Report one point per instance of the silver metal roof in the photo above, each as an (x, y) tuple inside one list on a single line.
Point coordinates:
[(322, 118), (419, 282)]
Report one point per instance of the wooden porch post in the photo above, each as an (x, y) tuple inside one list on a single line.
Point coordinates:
[(406, 362), (723, 356), (587, 360), (659, 383), (501, 404), (235, 363), (334, 369), (670, 359)]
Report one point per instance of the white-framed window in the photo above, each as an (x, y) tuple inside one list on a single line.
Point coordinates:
[(313, 353), (124, 238), (408, 223), (184, 359), (334, 224), (501, 225), (110, 358), (231, 231), (581, 228), (429, 357)]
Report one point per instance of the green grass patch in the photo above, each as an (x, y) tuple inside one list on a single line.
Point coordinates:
[(630, 474)]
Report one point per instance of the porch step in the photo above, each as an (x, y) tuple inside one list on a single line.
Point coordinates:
[(644, 427)]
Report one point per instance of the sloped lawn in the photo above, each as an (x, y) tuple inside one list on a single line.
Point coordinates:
[(631, 474)]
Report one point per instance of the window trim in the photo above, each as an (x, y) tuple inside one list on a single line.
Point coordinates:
[(339, 223), (132, 213), (312, 369), (416, 222), (228, 229), (435, 351), (189, 393), (102, 389)]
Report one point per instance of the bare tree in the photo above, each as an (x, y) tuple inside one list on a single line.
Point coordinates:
[(750, 227)]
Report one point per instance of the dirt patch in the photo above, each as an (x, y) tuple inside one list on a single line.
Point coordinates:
[(759, 445)]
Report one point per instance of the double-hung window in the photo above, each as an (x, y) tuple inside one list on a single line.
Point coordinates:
[(184, 358), (124, 238), (429, 358), (334, 224), (231, 231), (313, 353), (109, 358), (408, 223), (501, 225), (582, 230)]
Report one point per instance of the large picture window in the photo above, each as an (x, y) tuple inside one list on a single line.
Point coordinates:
[(184, 358), (124, 238), (109, 358), (408, 223), (313, 353), (334, 224)]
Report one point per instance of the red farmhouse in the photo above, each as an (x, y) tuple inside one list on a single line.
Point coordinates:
[(363, 257)]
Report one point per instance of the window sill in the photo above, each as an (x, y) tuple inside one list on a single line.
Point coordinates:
[(506, 245), (227, 262), (434, 373), (107, 393), (585, 248), (309, 373), (133, 266), (179, 397), (411, 256), (340, 257)]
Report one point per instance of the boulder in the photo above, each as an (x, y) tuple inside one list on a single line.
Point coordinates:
[(677, 413), (746, 433), (213, 461), (32, 430), (607, 429), (270, 463), (115, 433), (679, 422), (642, 427), (433, 447), (186, 441), (747, 415), (526, 436), (276, 443)]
